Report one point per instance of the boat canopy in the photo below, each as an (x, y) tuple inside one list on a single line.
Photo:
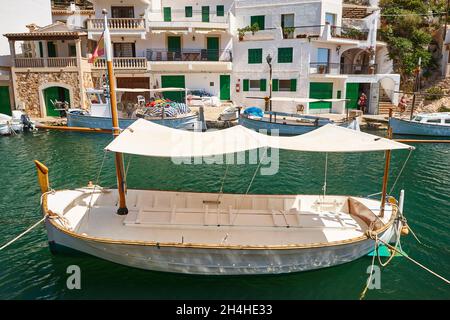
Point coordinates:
[(150, 139)]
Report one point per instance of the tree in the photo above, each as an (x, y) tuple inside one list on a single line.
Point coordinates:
[(408, 27)]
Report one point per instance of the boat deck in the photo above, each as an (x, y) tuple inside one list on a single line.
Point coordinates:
[(215, 219)]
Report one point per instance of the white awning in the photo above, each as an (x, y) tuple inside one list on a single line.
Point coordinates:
[(149, 90), (150, 139)]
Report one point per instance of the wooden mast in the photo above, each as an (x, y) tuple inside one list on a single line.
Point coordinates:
[(122, 210), (385, 176)]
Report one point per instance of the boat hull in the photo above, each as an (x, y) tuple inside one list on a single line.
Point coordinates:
[(282, 129), (407, 127), (215, 261), (189, 122)]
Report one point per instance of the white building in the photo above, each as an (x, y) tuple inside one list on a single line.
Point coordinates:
[(319, 48), (313, 55), (14, 17)]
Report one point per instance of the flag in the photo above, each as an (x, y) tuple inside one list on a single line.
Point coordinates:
[(99, 51)]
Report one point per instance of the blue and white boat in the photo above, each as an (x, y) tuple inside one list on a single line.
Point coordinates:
[(425, 124), (99, 115), (290, 124)]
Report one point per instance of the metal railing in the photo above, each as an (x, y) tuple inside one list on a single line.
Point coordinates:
[(349, 33), (177, 15), (131, 63), (341, 68), (188, 55), (117, 24), (58, 62)]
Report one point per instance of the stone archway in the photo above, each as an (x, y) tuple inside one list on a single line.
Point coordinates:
[(46, 89), (355, 61)]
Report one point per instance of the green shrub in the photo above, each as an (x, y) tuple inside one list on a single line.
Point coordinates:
[(444, 109), (434, 93)]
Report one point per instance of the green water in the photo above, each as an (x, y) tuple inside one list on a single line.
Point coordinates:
[(29, 271)]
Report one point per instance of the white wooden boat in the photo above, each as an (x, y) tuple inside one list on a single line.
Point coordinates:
[(16, 123), (424, 124), (216, 233)]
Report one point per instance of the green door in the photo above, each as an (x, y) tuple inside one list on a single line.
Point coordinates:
[(173, 82), (174, 43), (212, 44), (321, 90), (55, 94), (205, 14), (51, 49), (5, 105), (225, 87), (353, 95)]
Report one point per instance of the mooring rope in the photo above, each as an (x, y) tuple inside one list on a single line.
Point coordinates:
[(363, 293), (415, 262), (22, 234), (401, 171)]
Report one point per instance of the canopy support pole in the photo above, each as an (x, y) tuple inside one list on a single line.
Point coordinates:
[(325, 177), (385, 176), (121, 184)]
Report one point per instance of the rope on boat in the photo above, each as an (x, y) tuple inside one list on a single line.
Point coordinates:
[(363, 293), (22, 234), (223, 182), (96, 184), (415, 262), (324, 188), (401, 171)]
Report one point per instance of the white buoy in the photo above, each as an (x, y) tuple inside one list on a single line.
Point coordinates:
[(401, 200)]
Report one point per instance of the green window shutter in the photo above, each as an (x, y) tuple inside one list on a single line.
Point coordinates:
[(205, 14), (167, 14), (246, 85), (254, 56), (285, 55), (220, 10), (263, 85), (188, 12), (260, 20), (275, 85), (293, 84)]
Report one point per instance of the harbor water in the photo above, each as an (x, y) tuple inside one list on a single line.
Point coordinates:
[(29, 271)]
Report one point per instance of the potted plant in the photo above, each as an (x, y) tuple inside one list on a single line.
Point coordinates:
[(322, 68), (301, 36), (288, 32), (241, 31)]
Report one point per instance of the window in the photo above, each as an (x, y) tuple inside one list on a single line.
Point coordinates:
[(285, 55), (124, 49), (72, 50), (287, 20), (255, 85), (434, 121), (254, 56), (323, 55), (167, 14), (188, 12), (447, 121), (259, 20), (284, 85), (122, 12), (205, 14), (330, 18), (220, 11)]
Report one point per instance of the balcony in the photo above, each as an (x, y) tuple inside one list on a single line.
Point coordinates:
[(59, 62), (177, 19), (350, 33), (118, 26), (319, 68), (131, 63), (188, 55), (189, 60)]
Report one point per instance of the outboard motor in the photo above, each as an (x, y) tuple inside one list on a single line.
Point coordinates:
[(27, 123)]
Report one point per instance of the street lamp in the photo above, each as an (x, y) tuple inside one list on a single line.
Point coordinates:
[(269, 62)]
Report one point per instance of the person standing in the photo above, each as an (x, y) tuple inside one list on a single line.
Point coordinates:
[(362, 102)]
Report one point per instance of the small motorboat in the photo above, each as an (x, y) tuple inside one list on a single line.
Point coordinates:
[(18, 122), (178, 116), (424, 124), (229, 114)]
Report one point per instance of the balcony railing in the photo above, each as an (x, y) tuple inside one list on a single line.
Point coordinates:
[(117, 24), (341, 68), (123, 64), (59, 62), (349, 33), (180, 16), (188, 55)]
